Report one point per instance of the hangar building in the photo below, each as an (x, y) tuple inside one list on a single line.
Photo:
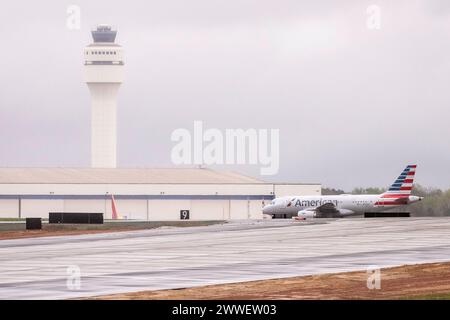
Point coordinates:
[(144, 194)]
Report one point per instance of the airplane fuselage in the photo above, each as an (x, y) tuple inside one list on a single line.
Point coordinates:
[(345, 204)]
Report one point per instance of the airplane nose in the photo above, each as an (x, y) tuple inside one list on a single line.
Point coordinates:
[(266, 209)]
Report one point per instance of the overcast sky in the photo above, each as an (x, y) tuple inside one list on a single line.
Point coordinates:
[(353, 105)]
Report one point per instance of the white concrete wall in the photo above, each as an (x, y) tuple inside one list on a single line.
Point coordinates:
[(129, 209), (141, 208), (103, 124), (9, 208), (104, 73), (255, 209), (239, 209), (86, 206), (39, 208), (156, 210), (161, 210), (137, 209), (209, 209)]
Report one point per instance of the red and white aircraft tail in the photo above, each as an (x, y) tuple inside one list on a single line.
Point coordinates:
[(400, 190), (115, 214)]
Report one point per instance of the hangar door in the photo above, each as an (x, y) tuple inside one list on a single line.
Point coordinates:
[(209, 210)]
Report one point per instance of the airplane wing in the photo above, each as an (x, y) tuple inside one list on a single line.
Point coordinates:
[(329, 210)]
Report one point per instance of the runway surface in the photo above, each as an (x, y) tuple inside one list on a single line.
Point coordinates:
[(164, 258)]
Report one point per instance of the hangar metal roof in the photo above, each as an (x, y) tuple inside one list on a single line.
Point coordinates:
[(122, 175)]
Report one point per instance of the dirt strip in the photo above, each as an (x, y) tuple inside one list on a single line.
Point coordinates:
[(49, 230), (4, 235), (396, 283)]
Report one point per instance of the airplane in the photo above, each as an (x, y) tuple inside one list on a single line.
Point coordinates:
[(332, 206)]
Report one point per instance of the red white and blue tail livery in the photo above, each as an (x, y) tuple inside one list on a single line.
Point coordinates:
[(400, 191), (398, 194)]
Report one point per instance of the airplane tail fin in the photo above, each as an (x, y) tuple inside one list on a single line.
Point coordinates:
[(402, 187), (115, 214)]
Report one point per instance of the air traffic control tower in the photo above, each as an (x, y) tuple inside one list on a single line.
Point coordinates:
[(103, 64)]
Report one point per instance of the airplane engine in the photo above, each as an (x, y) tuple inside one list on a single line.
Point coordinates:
[(306, 214)]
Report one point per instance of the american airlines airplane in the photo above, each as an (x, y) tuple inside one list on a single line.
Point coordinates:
[(399, 194)]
